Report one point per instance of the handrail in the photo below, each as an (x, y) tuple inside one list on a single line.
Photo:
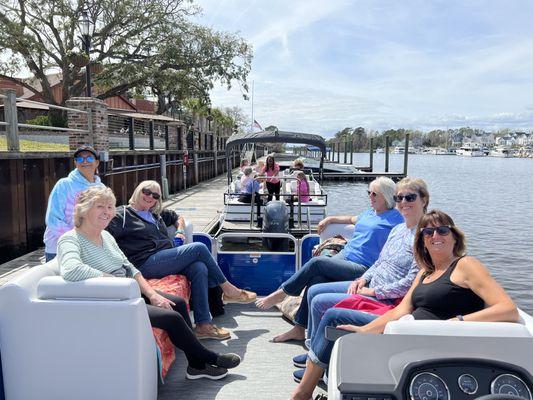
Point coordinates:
[(52, 106), (51, 128)]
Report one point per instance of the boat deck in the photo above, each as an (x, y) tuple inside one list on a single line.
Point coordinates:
[(266, 369)]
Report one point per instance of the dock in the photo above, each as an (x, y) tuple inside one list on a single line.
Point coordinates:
[(200, 204)]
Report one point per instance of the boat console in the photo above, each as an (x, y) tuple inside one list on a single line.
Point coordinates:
[(426, 367)]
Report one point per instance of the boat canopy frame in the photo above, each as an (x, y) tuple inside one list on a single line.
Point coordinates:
[(275, 136)]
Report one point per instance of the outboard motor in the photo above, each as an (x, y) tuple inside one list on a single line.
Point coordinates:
[(276, 220)]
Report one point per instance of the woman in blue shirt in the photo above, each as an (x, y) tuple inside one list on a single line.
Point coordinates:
[(372, 228)]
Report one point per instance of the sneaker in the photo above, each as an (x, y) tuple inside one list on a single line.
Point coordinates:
[(209, 372), (299, 361), (299, 374), (214, 333), (229, 360), (244, 297)]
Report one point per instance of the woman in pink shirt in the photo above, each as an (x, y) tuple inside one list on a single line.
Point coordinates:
[(303, 187), (273, 184)]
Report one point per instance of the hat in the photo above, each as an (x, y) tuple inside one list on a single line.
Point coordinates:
[(90, 149)]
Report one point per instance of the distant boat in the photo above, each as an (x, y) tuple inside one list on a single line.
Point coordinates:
[(501, 151), (440, 151), (398, 150), (380, 151), (470, 150)]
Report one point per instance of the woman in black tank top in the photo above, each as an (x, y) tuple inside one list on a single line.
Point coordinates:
[(450, 285)]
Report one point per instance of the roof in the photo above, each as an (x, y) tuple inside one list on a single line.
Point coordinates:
[(276, 137)]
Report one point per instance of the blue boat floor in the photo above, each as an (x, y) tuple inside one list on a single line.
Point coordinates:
[(265, 371)]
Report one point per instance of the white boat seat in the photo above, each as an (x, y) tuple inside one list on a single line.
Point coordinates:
[(457, 328)]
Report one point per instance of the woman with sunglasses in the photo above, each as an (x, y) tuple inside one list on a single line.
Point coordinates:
[(62, 199), (386, 281), (372, 227), (142, 235), (88, 252)]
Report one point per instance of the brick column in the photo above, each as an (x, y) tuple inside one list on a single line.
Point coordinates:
[(95, 123), (173, 132)]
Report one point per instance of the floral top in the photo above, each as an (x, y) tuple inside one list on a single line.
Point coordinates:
[(393, 273)]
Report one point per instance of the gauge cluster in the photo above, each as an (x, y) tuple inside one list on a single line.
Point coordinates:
[(450, 382)]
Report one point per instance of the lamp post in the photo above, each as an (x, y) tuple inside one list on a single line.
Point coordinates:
[(86, 40)]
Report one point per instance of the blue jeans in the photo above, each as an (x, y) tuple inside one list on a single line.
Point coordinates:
[(49, 256), (319, 270), (321, 298), (320, 351), (197, 264)]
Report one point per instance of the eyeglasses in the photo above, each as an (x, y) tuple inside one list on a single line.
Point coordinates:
[(398, 198), (443, 230), (371, 193), (148, 192), (80, 159)]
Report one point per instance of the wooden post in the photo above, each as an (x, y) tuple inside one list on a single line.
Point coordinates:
[(351, 152), (10, 113), (338, 152), (131, 133), (406, 155), (371, 154), (345, 145), (167, 141), (387, 153)]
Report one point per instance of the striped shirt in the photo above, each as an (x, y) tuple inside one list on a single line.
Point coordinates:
[(81, 259)]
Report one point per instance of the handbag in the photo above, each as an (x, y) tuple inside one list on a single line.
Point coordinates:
[(330, 246)]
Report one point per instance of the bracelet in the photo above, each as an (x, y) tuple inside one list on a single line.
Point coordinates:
[(179, 231), (460, 318)]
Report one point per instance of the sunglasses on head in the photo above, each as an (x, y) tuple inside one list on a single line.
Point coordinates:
[(80, 159), (443, 230), (398, 198), (372, 193), (148, 192)]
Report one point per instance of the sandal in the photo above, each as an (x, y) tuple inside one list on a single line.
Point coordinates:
[(214, 333), (244, 297)]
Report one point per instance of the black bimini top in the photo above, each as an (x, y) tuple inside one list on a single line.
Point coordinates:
[(275, 137)]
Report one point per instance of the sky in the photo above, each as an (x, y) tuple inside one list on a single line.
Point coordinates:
[(322, 65)]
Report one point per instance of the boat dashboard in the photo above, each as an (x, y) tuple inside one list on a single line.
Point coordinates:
[(416, 367)]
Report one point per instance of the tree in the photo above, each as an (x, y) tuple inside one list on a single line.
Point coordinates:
[(148, 45)]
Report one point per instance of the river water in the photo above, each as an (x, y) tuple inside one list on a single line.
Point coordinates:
[(489, 198)]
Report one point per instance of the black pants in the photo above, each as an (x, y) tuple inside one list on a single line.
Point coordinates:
[(178, 325), (273, 188)]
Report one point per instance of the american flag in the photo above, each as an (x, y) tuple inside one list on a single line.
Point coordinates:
[(256, 125)]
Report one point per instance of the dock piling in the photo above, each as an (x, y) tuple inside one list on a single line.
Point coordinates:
[(371, 154), (406, 154), (387, 153)]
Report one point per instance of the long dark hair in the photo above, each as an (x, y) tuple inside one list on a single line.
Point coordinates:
[(267, 163), (436, 218)]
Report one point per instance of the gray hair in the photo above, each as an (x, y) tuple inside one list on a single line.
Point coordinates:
[(387, 188), (137, 193), (247, 170), (88, 198)]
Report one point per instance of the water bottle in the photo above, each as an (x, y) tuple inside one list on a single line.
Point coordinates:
[(178, 241)]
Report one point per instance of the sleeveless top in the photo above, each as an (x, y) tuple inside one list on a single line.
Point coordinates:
[(443, 299)]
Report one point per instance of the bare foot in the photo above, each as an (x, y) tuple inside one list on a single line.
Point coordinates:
[(271, 300), (295, 333)]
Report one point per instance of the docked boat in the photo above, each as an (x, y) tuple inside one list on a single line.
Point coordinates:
[(470, 150), (398, 150), (501, 151)]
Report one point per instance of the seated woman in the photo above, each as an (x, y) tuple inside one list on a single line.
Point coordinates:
[(302, 187), (372, 227), (88, 251), (389, 278), (449, 286), (248, 185), (142, 235)]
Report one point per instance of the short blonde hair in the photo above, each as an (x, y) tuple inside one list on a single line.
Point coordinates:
[(88, 198), (137, 193)]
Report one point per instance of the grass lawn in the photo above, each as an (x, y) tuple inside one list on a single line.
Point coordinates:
[(30, 145)]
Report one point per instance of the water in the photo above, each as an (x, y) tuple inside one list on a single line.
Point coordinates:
[(489, 198)]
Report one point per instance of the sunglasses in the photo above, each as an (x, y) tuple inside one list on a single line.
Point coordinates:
[(443, 230), (371, 193), (148, 192), (398, 198), (80, 159)]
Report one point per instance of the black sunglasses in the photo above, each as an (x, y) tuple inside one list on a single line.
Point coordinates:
[(371, 193), (148, 192), (398, 198), (80, 159), (443, 230)]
